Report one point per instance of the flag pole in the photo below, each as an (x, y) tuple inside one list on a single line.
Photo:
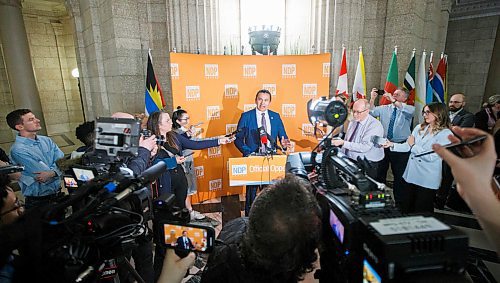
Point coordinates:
[(396, 49)]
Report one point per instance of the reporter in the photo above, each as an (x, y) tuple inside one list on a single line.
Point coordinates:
[(473, 175)]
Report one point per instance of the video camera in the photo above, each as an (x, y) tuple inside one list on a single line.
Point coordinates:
[(365, 237)]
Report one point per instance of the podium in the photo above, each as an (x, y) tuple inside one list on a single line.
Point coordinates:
[(252, 170), (256, 170)]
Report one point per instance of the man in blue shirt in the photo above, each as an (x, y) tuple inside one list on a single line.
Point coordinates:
[(396, 118), (39, 182)]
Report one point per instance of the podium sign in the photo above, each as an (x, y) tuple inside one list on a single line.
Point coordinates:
[(256, 170)]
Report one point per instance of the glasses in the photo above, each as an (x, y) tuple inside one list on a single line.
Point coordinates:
[(426, 112), (455, 102), (358, 112), (184, 119), (18, 205)]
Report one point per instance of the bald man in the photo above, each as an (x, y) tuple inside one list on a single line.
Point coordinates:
[(458, 115), (462, 118), (357, 141)]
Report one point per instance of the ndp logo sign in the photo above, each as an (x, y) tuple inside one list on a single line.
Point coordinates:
[(215, 185), (307, 130), (249, 71), (174, 70), (271, 88), (230, 91), (238, 170), (231, 128), (213, 112), (193, 92), (199, 171), (326, 69), (309, 90), (211, 71), (248, 107), (288, 110), (214, 151), (288, 70)]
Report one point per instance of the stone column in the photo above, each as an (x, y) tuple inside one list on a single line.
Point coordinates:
[(18, 60)]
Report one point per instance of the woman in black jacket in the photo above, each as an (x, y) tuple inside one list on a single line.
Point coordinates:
[(174, 180)]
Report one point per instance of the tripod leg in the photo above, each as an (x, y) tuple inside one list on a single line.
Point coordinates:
[(131, 269)]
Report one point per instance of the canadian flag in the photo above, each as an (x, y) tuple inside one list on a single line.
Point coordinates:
[(342, 81)]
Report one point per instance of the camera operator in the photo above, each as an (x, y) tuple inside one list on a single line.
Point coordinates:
[(276, 243), (10, 209), (473, 175)]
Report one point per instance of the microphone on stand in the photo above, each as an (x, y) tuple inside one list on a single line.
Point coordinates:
[(263, 139)]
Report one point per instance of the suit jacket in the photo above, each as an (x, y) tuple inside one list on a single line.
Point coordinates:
[(463, 119), (248, 139), (182, 244)]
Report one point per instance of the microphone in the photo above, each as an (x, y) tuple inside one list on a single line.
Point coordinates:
[(10, 169), (263, 136), (233, 133)]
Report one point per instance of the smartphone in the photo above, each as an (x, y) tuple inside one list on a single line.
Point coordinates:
[(454, 145), (192, 237), (70, 182), (376, 140), (189, 154)]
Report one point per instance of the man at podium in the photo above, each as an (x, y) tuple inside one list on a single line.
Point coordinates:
[(259, 130)]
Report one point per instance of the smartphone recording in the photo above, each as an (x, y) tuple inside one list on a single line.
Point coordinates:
[(190, 237)]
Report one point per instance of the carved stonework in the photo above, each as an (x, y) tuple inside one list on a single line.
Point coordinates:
[(466, 9)]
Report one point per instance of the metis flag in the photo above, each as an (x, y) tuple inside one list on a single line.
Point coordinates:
[(342, 81), (439, 82), (391, 83), (421, 88), (359, 86), (410, 80), (154, 100)]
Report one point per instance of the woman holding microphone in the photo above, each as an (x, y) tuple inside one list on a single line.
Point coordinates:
[(174, 180)]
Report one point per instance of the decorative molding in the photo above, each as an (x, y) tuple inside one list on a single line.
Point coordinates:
[(469, 9)]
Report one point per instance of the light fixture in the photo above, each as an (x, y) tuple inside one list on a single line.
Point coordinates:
[(75, 73)]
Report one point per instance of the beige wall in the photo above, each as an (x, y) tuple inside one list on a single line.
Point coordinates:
[(6, 102)]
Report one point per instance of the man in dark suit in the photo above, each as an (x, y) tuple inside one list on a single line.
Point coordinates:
[(184, 241), (458, 117), (248, 139)]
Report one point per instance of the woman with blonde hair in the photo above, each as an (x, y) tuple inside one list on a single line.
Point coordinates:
[(422, 175)]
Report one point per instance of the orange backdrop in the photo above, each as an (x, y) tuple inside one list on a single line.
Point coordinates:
[(216, 89)]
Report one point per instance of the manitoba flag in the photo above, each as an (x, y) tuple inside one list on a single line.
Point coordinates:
[(154, 100)]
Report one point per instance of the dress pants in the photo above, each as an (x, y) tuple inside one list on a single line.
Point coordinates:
[(398, 162), (250, 196), (420, 199), (444, 189)]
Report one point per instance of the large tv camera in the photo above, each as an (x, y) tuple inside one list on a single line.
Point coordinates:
[(365, 237), (87, 235)]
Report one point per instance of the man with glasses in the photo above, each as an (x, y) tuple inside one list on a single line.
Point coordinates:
[(458, 117), (396, 118), (357, 141)]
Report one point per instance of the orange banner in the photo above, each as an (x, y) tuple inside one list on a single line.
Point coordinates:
[(216, 89), (256, 170)]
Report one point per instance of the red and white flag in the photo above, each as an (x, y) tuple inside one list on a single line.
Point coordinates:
[(342, 81)]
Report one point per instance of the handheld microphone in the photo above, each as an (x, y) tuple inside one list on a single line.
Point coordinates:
[(233, 133)]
